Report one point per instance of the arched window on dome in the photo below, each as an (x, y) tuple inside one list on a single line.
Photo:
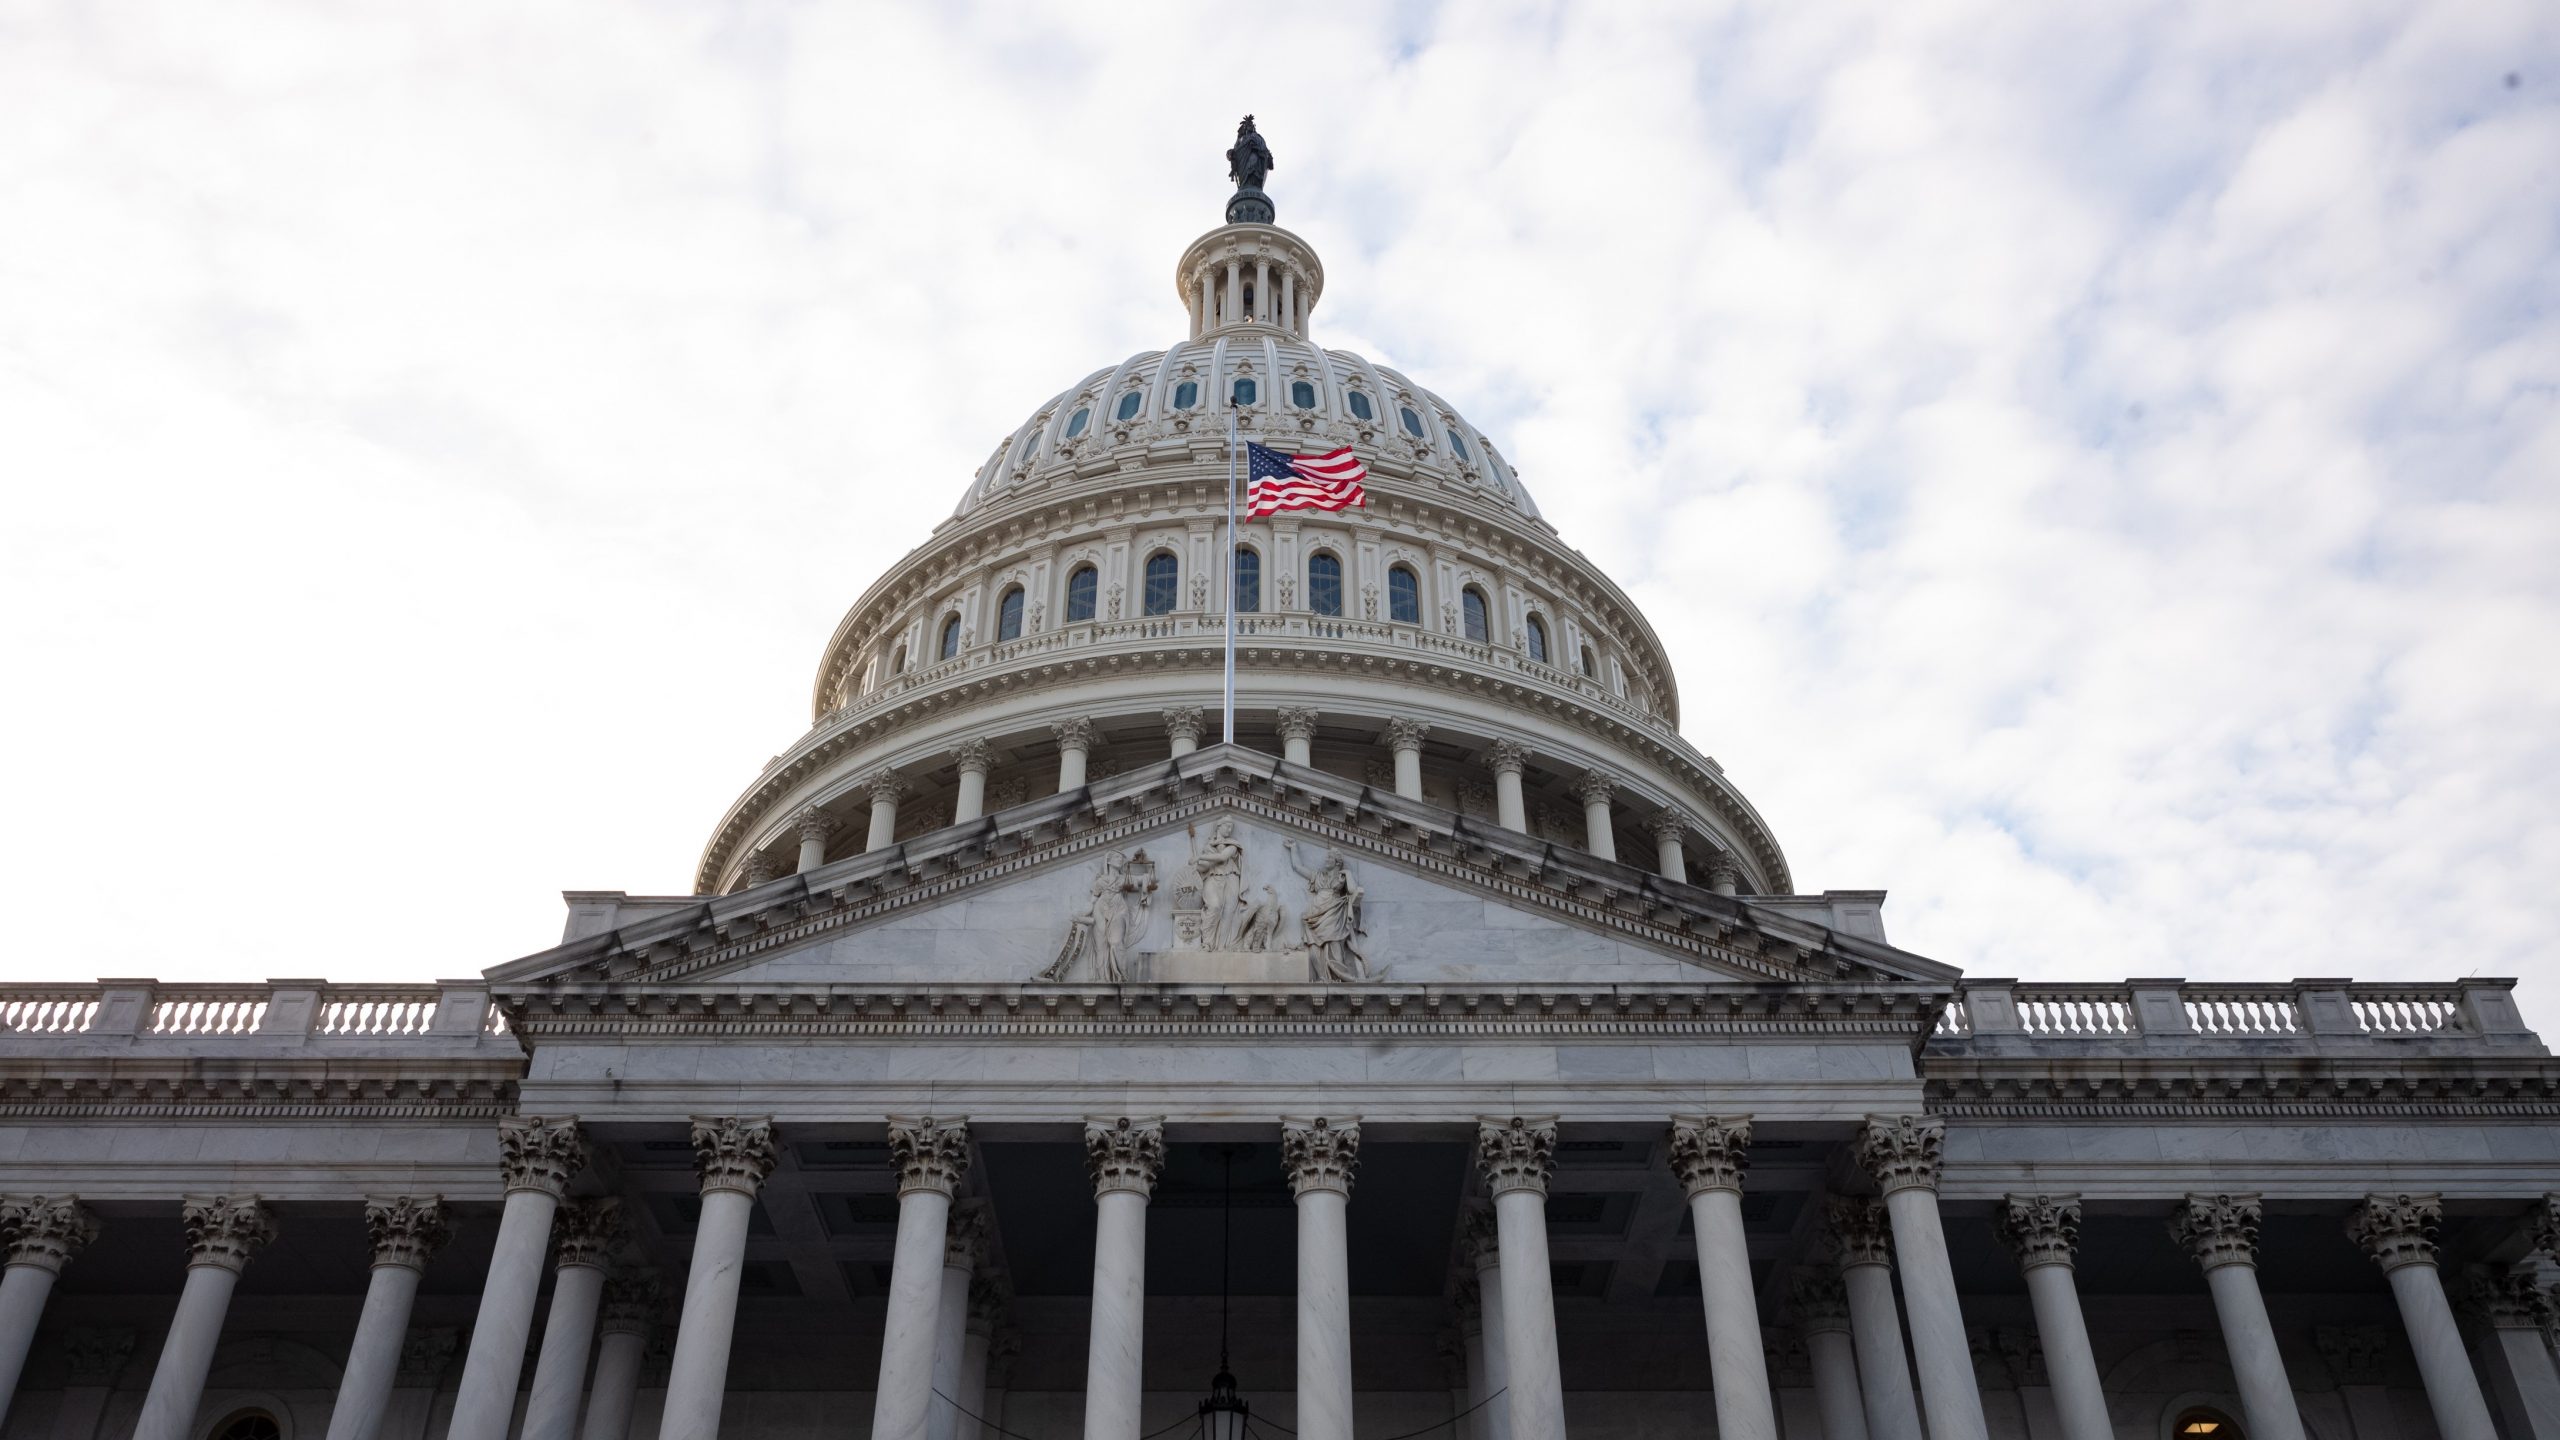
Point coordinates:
[(1413, 424), (1458, 443), (1302, 394), (1082, 582), (1248, 580), (1030, 442), (1404, 596), (1244, 392), (1590, 661), (1129, 404), (1361, 409), (898, 661), (1475, 614), (1076, 422), (1164, 583), (1186, 395), (1324, 583), (950, 638), (1537, 639), (1009, 615)]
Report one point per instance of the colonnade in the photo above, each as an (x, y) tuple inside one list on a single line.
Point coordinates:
[(938, 1330), (1184, 724)]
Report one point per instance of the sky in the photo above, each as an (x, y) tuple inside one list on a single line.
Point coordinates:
[(2096, 468)]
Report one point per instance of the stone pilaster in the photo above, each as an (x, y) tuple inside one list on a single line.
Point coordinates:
[(1710, 1153), (1320, 1154), (1124, 1154), (406, 1230), (929, 1154), (540, 1155)]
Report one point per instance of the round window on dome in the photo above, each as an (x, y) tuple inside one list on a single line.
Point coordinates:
[(1302, 395), (1075, 422), (1413, 423), (1186, 395), (1129, 404), (1244, 392), (1361, 409)]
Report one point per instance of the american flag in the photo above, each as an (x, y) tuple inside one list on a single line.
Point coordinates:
[(1302, 482)]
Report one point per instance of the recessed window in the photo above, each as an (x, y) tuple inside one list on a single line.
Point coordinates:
[(1302, 395), (1413, 423), (898, 661), (1537, 639), (1324, 584), (1474, 613), (1009, 615), (1081, 583), (1404, 596), (950, 637), (1361, 409), (1457, 442), (1186, 395), (1590, 662), (2203, 1424), (1129, 404), (1248, 581), (1244, 392), (1164, 583), (1076, 422), (1029, 443)]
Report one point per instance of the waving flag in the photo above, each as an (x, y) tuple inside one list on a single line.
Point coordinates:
[(1302, 482)]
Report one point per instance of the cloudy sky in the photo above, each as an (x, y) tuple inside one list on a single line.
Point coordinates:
[(2097, 468)]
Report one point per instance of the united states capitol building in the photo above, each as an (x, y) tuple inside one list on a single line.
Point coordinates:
[(1447, 1051)]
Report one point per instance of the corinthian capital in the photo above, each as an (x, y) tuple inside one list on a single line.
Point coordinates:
[(1668, 825), (587, 1231), (1595, 787), (973, 754), (883, 785), (815, 824), (1075, 734), (1516, 1154), (1319, 1154), (1406, 734), (1710, 1153), (406, 1230), (2544, 1224), (2397, 1230), (1297, 723), (2508, 1300), (1182, 722), (929, 1154), (632, 1299), (226, 1230), (1820, 1302), (1479, 1237), (1861, 1232), (1124, 1154), (539, 1154), (733, 1152), (45, 1230), (964, 1236), (2218, 1230), (2039, 1229), (1506, 757), (1901, 1151)]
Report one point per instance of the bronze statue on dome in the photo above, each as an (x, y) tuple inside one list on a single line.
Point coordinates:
[(1248, 162)]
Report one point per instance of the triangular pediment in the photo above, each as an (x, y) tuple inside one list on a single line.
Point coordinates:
[(1206, 871)]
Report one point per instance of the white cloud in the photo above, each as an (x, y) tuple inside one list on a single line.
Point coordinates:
[(2093, 471)]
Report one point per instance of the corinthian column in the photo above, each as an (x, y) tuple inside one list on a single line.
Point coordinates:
[(930, 1158), (2043, 1231), (732, 1154), (42, 1232), (1075, 743), (1864, 1238), (1901, 1152), (1182, 725), (1821, 1309), (885, 789), (815, 826), (1125, 1157), (2516, 1314), (1595, 790), (1404, 741), (1670, 830), (1709, 1154), (963, 1234), (1321, 1157), (631, 1304), (986, 1303), (974, 758), (2221, 1231), (538, 1157), (406, 1232), (1297, 735), (2399, 1233), (224, 1232), (1518, 1157), (1480, 1242), (1506, 759), (588, 1231)]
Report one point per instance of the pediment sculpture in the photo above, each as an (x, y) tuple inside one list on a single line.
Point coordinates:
[(1226, 922)]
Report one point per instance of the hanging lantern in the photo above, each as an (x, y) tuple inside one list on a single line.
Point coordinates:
[(1224, 1413)]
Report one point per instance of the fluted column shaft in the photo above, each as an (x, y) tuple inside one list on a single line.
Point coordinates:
[(1670, 859), (588, 1230), (732, 1155), (1322, 1156), (406, 1232), (1902, 1152), (2221, 1231), (884, 815), (1297, 736), (223, 1234), (45, 1232), (2399, 1233), (930, 1158), (1710, 1154), (2043, 1231), (1600, 829), (1518, 1158), (1125, 1157), (815, 827), (538, 1158), (1182, 728)]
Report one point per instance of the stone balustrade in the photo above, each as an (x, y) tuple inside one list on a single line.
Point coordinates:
[(146, 1010), (2303, 1016)]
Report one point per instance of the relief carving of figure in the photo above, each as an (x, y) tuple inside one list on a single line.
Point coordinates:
[(1261, 922), (1332, 925), (1108, 927), (1219, 863)]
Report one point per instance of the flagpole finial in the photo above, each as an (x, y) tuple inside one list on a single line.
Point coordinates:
[(1247, 163)]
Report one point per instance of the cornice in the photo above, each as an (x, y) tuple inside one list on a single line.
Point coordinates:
[(251, 1097), (2210, 1086)]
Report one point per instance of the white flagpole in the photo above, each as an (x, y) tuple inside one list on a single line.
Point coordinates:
[(1227, 721)]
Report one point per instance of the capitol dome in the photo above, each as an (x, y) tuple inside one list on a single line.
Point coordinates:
[(1064, 624)]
